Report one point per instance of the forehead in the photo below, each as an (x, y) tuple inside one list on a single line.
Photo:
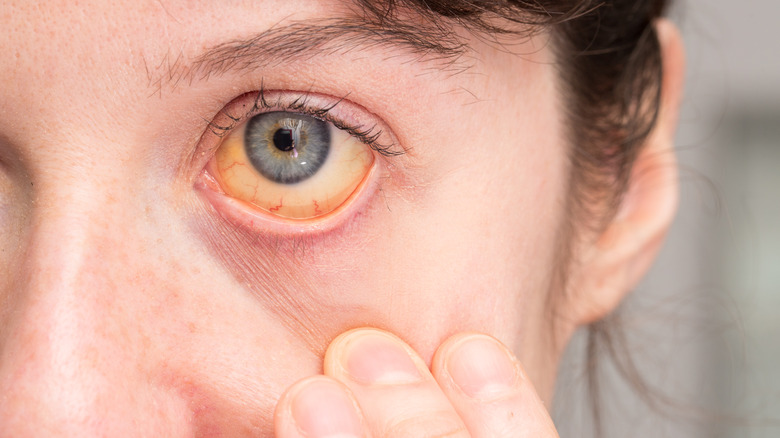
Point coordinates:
[(94, 47), (98, 48), (61, 41), (162, 34)]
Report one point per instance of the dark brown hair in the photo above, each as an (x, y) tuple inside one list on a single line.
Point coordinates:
[(609, 66)]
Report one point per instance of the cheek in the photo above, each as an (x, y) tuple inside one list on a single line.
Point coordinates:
[(474, 249), (223, 353)]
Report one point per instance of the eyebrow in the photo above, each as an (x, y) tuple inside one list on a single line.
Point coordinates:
[(300, 41)]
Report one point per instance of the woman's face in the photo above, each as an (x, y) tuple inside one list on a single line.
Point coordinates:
[(136, 291)]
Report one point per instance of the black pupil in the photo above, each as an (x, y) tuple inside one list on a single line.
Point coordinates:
[(283, 140)]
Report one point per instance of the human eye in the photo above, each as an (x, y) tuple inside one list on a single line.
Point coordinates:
[(294, 157)]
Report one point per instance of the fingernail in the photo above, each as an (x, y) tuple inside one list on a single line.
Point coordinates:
[(322, 409), (482, 368), (376, 358)]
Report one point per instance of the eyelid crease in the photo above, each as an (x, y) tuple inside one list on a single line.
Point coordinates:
[(301, 103)]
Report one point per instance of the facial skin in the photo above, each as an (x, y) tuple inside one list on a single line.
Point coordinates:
[(136, 303)]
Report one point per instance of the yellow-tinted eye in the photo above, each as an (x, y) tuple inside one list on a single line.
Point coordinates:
[(291, 165)]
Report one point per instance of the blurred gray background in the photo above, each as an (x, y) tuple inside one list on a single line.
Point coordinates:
[(704, 328)]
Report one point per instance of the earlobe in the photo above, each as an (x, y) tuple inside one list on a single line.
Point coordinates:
[(625, 250)]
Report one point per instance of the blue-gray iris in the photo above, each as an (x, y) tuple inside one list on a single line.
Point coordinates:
[(286, 147)]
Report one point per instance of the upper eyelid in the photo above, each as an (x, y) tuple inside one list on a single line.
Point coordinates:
[(307, 103)]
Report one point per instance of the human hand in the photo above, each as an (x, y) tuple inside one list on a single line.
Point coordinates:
[(374, 385)]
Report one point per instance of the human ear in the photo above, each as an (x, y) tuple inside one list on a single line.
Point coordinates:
[(620, 256)]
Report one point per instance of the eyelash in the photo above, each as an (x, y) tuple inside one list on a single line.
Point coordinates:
[(300, 104)]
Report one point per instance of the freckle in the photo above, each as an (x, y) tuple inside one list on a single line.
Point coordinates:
[(191, 327)]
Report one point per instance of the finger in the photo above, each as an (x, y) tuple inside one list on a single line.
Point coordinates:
[(488, 388), (318, 407), (396, 392)]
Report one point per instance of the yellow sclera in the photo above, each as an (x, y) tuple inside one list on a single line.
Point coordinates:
[(347, 164)]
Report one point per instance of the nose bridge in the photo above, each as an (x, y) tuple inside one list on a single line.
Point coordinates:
[(69, 246), (55, 344), (81, 205), (72, 358)]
